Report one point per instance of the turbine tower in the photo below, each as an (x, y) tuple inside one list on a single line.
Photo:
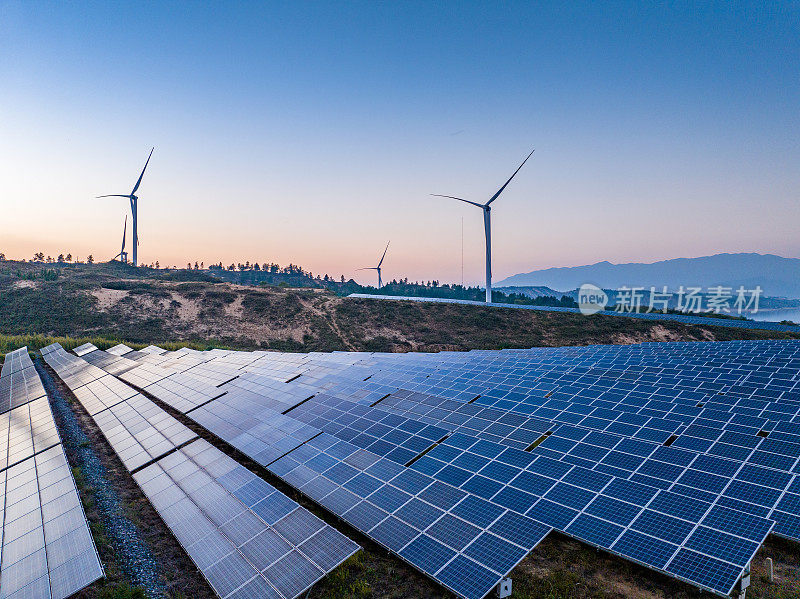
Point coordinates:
[(378, 268), (123, 255), (487, 224), (133, 198)]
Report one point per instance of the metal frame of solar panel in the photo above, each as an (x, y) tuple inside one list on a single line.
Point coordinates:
[(47, 549)]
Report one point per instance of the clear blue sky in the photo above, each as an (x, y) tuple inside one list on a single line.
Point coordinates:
[(313, 132)]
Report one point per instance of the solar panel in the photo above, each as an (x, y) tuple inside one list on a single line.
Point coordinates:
[(84, 349), (684, 318), (139, 431), (120, 349), (111, 363), (582, 439), (413, 513), (240, 531), (47, 550), (153, 349), (246, 538), (19, 381)]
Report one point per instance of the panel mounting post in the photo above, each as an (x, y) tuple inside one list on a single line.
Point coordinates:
[(740, 590), (503, 589)]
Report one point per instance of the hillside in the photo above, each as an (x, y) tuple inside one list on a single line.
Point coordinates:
[(145, 306), (776, 275)]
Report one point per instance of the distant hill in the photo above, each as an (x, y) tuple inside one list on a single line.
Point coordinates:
[(777, 276)]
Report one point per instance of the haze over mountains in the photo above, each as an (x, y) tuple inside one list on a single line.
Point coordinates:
[(777, 276)]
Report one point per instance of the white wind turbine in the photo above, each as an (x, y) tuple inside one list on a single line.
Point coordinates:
[(133, 198), (487, 211), (123, 255), (378, 268)]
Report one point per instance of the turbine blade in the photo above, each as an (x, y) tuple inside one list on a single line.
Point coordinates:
[(499, 191), (384, 254), (135, 187), (367, 268), (459, 199), (114, 195), (124, 231)]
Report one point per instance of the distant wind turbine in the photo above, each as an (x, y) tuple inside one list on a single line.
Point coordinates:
[(487, 211), (378, 268), (133, 198), (123, 255)]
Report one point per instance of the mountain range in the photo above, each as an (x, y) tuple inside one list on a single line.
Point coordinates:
[(777, 276)]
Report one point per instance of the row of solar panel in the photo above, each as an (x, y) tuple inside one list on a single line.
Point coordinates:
[(266, 436), (683, 318), (19, 382), (248, 539), (47, 550)]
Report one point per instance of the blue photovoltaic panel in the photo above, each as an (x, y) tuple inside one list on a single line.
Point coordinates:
[(582, 438), (247, 539)]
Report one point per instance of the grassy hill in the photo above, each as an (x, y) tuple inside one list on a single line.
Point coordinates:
[(111, 302)]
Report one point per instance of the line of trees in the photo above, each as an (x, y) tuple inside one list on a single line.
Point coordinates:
[(60, 259), (270, 267)]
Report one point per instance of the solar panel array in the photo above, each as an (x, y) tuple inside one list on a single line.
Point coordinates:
[(680, 456), (684, 318), (466, 543), (248, 539), (47, 550)]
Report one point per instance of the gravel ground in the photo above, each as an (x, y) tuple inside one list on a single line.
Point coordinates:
[(138, 564)]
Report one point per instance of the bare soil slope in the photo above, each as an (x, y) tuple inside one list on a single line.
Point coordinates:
[(142, 307)]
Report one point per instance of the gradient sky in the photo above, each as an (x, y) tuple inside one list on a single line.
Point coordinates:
[(313, 132)]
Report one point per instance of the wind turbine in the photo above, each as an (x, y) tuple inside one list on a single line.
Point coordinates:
[(487, 225), (378, 268), (123, 255), (133, 198)]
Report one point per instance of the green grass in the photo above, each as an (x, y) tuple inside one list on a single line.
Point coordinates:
[(36, 341)]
